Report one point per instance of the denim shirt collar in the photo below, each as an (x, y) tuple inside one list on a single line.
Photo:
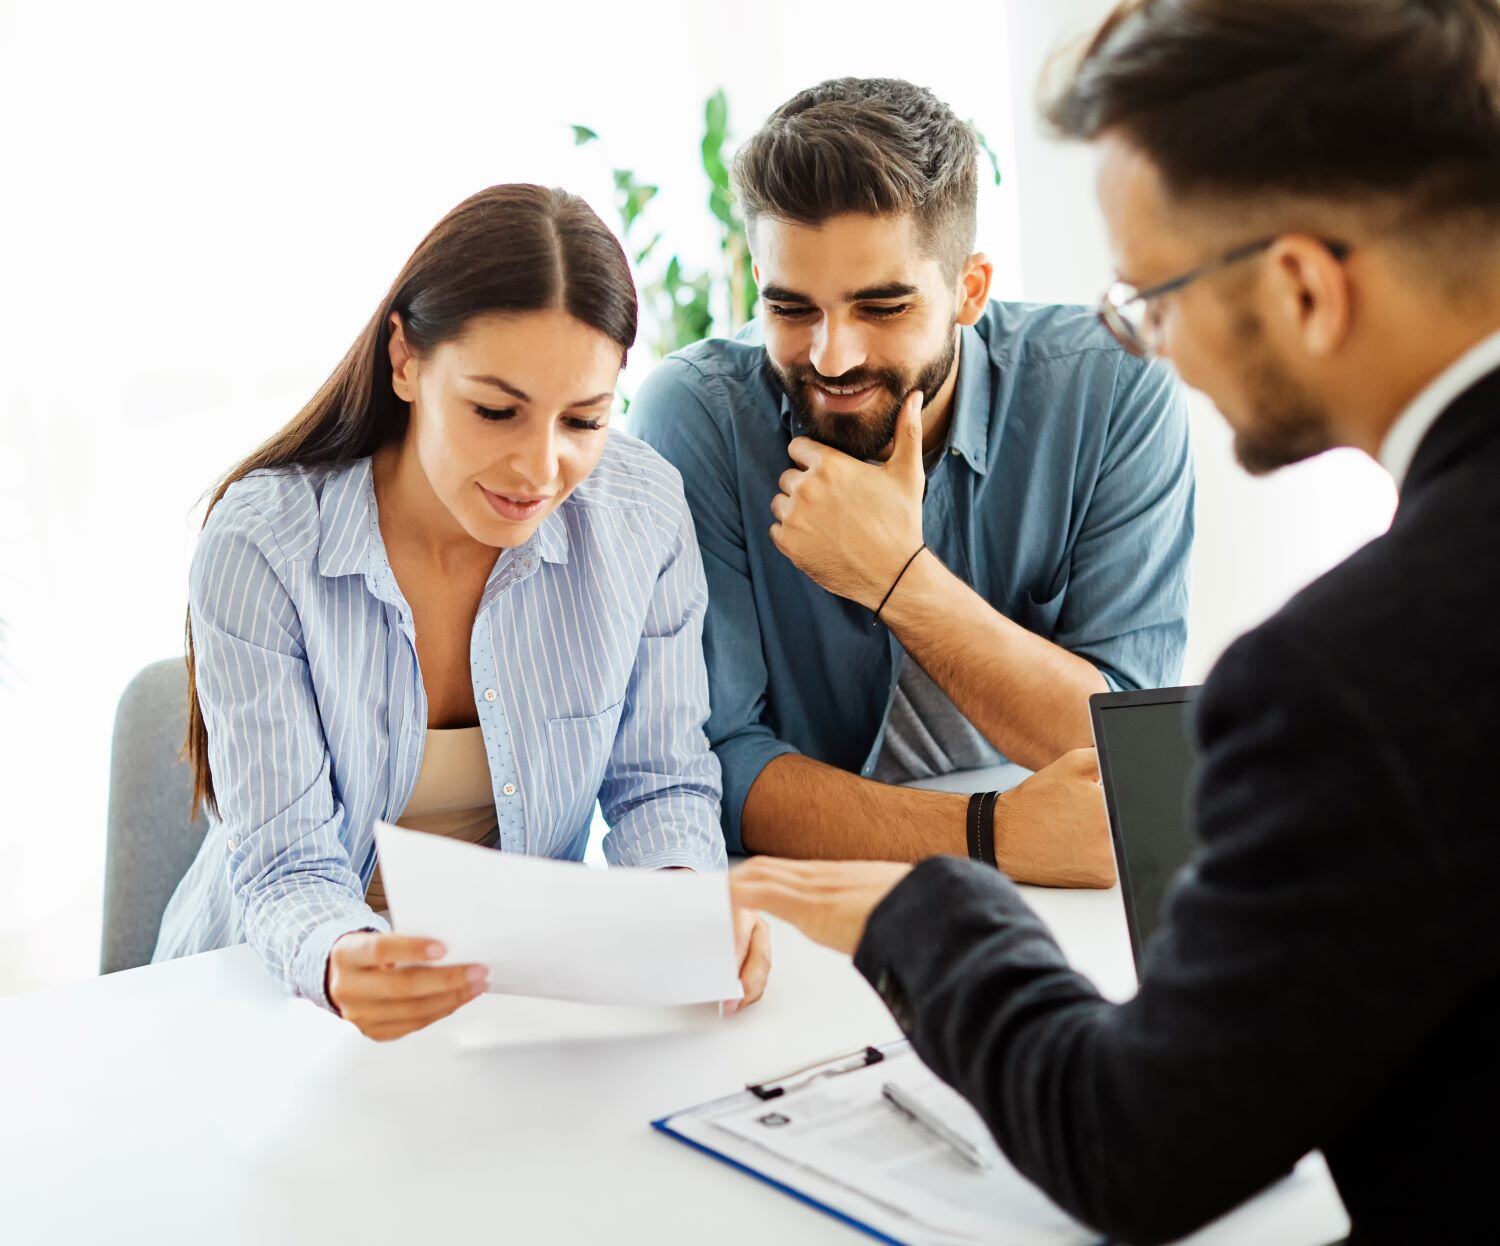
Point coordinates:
[(968, 433)]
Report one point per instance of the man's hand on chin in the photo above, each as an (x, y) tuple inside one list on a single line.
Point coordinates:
[(848, 525)]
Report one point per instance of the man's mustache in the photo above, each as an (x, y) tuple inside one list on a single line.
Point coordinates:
[(850, 380)]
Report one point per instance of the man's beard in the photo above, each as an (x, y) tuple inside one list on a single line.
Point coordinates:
[(863, 434), (1289, 423)]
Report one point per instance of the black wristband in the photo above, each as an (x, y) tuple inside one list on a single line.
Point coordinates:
[(897, 581), (980, 828)]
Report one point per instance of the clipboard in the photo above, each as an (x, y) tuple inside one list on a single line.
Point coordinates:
[(1301, 1210), (881, 1218)]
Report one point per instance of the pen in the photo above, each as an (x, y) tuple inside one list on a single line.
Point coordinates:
[(916, 1113)]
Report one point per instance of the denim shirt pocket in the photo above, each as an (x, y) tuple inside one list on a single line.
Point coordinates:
[(579, 748)]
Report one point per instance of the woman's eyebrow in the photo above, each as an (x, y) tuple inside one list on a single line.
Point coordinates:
[(486, 380), (515, 392), (510, 389)]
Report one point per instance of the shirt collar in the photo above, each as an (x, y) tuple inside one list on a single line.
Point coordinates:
[(349, 543), (551, 539), (346, 520), (1412, 425), (968, 433)]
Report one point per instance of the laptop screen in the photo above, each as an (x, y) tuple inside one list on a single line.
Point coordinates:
[(1145, 761)]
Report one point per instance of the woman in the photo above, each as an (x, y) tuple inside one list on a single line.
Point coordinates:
[(444, 595)]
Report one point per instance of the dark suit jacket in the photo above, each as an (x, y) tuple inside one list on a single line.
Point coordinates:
[(1328, 971)]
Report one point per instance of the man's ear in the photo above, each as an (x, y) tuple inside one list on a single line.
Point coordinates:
[(1309, 293), (403, 362), (974, 287)]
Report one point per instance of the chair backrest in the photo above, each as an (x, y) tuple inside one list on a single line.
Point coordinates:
[(151, 841)]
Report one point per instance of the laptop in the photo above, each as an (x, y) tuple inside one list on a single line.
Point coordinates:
[(1146, 758)]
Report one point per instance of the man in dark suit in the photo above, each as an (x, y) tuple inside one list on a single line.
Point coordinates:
[(1304, 196)]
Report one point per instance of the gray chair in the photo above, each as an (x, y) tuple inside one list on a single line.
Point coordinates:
[(151, 841)]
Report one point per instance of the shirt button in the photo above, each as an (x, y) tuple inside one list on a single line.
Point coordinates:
[(509, 789), (230, 841), (489, 694)]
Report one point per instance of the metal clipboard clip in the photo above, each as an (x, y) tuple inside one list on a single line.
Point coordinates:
[(833, 1066)]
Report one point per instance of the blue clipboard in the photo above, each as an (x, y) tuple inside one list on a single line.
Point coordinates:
[(665, 1126), (773, 1088)]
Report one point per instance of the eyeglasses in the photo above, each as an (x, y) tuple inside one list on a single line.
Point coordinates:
[(1129, 313)]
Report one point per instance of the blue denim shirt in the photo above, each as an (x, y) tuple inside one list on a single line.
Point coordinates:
[(1065, 499)]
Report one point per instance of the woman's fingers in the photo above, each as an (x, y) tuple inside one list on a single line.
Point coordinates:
[(368, 950), (423, 1011), (388, 1033), (415, 981), (755, 969)]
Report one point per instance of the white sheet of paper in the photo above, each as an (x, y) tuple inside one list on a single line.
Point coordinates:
[(560, 929)]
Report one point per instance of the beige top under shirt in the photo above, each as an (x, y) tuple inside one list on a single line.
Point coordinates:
[(454, 797)]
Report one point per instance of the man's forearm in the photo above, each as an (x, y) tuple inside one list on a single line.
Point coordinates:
[(1027, 695), (799, 807)]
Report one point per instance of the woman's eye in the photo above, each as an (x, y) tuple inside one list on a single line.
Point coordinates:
[(492, 413), (886, 313), (586, 426)]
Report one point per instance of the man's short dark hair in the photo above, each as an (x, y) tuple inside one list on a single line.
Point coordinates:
[(1333, 99), (877, 146)]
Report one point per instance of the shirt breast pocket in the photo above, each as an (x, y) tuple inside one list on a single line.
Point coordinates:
[(580, 746)]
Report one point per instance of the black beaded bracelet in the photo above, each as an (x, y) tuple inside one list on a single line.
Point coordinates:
[(897, 581), (981, 827)]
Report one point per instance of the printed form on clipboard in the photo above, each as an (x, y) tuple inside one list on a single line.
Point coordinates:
[(919, 1168), (828, 1135)]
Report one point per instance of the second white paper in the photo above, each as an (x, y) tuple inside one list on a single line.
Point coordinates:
[(560, 929)]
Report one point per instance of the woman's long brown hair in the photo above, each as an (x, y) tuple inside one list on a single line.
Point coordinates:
[(512, 248)]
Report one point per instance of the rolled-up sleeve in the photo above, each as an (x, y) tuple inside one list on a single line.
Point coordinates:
[(661, 787), (1127, 600), (672, 414), (289, 874)]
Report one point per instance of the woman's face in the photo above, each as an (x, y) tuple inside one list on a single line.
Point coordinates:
[(509, 418)]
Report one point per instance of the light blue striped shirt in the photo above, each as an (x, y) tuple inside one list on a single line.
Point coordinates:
[(587, 665)]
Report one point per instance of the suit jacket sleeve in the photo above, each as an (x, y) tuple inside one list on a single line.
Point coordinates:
[(1292, 976)]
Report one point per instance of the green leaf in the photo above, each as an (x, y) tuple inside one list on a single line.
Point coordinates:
[(635, 202), (721, 204), (582, 134), (989, 152), (644, 253), (715, 133), (716, 115)]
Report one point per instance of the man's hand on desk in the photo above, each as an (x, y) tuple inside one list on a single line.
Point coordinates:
[(1052, 830), (379, 984), (829, 901)]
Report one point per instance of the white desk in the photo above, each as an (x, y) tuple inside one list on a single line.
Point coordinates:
[(193, 1102)]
